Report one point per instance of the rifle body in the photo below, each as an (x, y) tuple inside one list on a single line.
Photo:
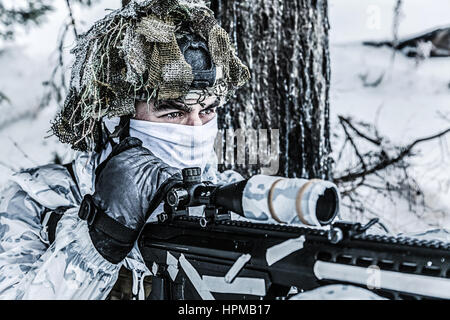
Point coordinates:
[(214, 248)]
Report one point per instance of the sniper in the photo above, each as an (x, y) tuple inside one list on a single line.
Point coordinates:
[(146, 85)]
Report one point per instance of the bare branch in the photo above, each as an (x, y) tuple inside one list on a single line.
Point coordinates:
[(72, 19), (388, 161), (22, 152), (375, 141)]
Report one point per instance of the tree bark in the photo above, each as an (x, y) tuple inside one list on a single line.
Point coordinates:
[(285, 45)]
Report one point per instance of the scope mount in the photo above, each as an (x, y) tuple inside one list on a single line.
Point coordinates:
[(181, 197)]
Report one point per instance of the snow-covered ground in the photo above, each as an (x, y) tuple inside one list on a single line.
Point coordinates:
[(404, 105), (356, 20), (25, 64)]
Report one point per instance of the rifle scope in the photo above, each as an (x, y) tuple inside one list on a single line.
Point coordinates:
[(285, 200)]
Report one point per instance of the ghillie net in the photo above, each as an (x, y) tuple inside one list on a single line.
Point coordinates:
[(134, 51)]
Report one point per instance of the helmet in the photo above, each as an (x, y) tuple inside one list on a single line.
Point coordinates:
[(152, 49)]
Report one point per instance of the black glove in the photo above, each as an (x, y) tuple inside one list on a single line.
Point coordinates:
[(129, 186)]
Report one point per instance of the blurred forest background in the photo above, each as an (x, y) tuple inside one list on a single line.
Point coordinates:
[(389, 110)]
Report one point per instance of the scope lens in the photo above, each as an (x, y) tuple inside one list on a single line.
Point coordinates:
[(326, 206)]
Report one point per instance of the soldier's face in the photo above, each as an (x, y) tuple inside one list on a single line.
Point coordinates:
[(178, 113)]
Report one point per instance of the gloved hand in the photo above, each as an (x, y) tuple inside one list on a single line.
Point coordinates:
[(129, 185)]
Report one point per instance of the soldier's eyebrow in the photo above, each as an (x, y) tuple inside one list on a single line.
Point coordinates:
[(168, 105), (171, 105)]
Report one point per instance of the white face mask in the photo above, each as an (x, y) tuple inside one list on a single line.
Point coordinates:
[(179, 146)]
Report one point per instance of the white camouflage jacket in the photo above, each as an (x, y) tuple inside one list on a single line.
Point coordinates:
[(69, 268)]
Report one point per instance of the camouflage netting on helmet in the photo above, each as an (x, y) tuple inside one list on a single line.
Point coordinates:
[(134, 50)]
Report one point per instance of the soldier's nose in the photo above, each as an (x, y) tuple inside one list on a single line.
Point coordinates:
[(194, 120)]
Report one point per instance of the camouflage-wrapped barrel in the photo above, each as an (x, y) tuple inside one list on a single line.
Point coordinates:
[(311, 202)]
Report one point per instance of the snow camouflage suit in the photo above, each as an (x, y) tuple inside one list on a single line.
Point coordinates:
[(71, 267)]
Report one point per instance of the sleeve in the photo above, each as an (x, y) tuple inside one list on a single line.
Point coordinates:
[(70, 268), (211, 172), (20, 244), (213, 175)]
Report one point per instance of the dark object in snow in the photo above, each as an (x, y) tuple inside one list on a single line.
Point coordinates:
[(4, 98), (373, 84), (430, 44), (214, 257)]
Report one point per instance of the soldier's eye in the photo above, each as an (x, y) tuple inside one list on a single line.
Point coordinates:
[(173, 115), (208, 111)]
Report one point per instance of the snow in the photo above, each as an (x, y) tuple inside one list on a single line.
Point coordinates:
[(407, 105), (25, 64), (372, 20)]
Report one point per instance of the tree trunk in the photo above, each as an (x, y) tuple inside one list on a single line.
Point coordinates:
[(285, 45)]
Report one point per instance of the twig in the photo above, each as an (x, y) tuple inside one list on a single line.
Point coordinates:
[(386, 163), (3, 97), (23, 152), (359, 133), (72, 19), (350, 139)]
